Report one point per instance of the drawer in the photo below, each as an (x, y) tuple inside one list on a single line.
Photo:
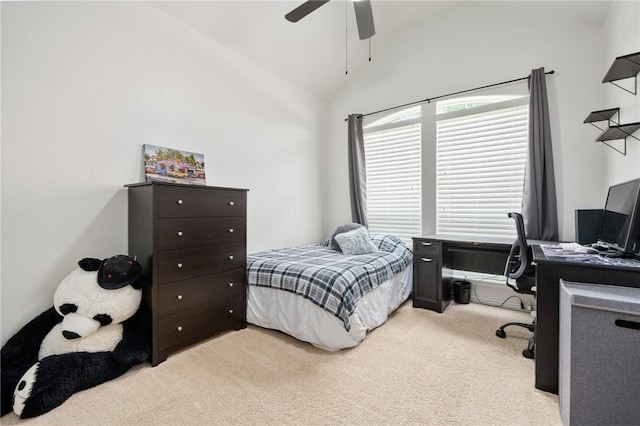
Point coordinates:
[(183, 233), (178, 265), (183, 295), (427, 248), (179, 201), (196, 324)]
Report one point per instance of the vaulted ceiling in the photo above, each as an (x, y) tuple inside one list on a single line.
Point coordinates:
[(315, 52)]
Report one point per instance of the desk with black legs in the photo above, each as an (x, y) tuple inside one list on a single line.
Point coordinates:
[(550, 268), (432, 289)]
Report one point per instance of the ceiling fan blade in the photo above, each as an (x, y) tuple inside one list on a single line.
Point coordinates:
[(364, 18), (304, 9)]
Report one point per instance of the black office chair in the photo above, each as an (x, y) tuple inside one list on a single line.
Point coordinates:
[(519, 268)]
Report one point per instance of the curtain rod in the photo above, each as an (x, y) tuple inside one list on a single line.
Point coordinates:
[(428, 100)]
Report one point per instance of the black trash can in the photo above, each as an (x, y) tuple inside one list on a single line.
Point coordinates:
[(461, 291)]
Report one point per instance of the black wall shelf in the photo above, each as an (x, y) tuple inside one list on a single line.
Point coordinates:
[(622, 131), (602, 115), (624, 67)]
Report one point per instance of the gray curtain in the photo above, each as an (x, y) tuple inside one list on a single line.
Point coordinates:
[(539, 206), (357, 171)]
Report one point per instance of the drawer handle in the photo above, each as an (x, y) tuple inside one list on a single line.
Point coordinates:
[(179, 202), (179, 265), (179, 297), (231, 203), (230, 229), (230, 311), (231, 257), (426, 259), (632, 325), (426, 244), (230, 284), (179, 233), (179, 328)]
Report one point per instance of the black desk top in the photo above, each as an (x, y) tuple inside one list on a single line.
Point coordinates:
[(552, 253), (469, 240), (478, 240)]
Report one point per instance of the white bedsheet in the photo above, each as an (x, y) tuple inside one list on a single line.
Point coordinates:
[(302, 319)]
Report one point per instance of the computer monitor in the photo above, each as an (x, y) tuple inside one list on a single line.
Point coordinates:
[(620, 227)]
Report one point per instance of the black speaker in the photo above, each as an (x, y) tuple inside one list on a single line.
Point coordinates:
[(588, 225)]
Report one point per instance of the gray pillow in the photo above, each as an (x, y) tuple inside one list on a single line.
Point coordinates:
[(356, 242), (339, 230)]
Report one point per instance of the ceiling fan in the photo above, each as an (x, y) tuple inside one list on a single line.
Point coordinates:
[(364, 15)]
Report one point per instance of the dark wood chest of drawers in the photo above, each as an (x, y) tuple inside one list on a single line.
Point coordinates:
[(191, 242)]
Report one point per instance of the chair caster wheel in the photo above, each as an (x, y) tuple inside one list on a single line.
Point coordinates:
[(501, 333), (528, 353)]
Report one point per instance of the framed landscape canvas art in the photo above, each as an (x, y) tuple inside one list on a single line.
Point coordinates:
[(173, 165)]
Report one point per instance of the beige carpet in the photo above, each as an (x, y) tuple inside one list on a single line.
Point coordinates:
[(419, 368)]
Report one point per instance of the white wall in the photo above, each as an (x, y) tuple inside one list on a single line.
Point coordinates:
[(85, 85), (621, 37), (474, 45)]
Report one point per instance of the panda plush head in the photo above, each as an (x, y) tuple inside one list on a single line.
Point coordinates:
[(98, 293), (94, 300)]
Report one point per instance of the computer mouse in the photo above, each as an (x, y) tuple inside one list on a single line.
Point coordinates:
[(584, 249)]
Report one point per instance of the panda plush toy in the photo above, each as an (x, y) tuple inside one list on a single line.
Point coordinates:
[(92, 334)]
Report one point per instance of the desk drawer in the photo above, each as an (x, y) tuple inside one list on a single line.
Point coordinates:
[(427, 248)]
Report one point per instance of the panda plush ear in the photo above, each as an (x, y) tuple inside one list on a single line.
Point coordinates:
[(89, 264), (119, 271)]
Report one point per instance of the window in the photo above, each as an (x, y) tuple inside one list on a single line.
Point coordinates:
[(392, 157), (481, 154)]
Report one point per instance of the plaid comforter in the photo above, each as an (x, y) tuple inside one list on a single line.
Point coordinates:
[(330, 279)]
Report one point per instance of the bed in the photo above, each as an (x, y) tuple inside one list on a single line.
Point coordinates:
[(322, 296)]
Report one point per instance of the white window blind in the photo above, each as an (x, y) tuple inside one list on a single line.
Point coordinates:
[(481, 154), (392, 157)]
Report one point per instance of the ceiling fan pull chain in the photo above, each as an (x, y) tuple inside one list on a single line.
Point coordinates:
[(370, 27), (346, 40)]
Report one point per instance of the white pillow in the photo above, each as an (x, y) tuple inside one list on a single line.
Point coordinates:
[(342, 229), (356, 242)]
